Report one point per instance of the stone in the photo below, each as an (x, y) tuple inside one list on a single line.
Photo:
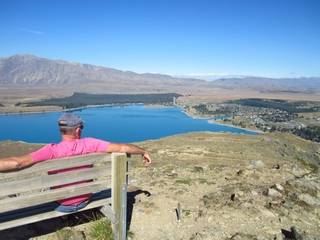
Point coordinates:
[(254, 193), (198, 169), (308, 199), (279, 187), (291, 234), (276, 166), (274, 193), (256, 164), (240, 194)]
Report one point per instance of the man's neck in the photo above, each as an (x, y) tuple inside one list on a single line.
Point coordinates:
[(69, 137)]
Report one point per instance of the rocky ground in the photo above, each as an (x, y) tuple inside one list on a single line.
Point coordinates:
[(221, 186)]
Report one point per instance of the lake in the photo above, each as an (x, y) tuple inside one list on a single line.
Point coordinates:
[(131, 123)]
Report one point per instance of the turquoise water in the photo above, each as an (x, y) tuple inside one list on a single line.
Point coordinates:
[(117, 123)]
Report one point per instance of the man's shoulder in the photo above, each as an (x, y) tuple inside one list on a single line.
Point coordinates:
[(89, 139), (92, 140)]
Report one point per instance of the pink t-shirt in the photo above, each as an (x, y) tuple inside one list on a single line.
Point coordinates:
[(67, 149)]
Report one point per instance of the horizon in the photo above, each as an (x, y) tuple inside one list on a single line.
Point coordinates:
[(207, 77), (187, 38)]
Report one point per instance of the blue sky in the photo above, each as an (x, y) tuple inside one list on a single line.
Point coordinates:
[(277, 38)]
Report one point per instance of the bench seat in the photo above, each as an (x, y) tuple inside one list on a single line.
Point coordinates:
[(26, 196)]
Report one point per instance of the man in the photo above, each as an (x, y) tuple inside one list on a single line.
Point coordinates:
[(72, 144)]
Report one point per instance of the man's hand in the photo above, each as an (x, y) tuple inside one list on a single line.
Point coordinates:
[(146, 159), (131, 149)]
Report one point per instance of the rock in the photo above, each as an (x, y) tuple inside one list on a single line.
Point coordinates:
[(279, 187), (306, 198), (254, 193), (298, 172), (276, 166), (240, 194), (292, 234), (198, 169), (256, 164), (232, 197), (274, 193)]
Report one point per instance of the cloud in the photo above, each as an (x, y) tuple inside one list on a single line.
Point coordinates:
[(28, 30)]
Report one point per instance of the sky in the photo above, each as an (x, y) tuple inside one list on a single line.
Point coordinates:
[(272, 38)]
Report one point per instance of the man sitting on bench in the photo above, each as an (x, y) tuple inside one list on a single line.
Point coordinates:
[(72, 144)]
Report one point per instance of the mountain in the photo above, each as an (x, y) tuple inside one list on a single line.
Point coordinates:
[(303, 84), (30, 71)]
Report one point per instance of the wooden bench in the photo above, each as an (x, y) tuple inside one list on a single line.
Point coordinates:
[(26, 194)]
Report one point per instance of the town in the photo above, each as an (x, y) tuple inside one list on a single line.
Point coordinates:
[(301, 118)]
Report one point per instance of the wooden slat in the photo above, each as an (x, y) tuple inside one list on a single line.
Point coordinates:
[(55, 164), (47, 181), (52, 195), (52, 214)]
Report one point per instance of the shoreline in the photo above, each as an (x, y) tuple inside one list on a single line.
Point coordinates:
[(70, 109), (210, 120), (230, 125)]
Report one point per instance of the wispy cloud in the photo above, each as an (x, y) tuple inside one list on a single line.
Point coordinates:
[(33, 31)]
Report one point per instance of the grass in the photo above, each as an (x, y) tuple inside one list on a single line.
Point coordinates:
[(101, 230)]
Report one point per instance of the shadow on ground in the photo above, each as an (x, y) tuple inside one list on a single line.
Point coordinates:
[(55, 224)]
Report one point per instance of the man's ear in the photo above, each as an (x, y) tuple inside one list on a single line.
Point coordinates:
[(78, 131)]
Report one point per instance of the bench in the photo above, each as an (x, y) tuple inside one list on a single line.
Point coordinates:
[(26, 194)]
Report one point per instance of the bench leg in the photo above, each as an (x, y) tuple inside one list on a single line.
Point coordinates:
[(124, 211), (119, 195)]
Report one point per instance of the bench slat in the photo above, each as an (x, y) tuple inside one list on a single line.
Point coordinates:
[(51, 214), (47, 181), (52, 195), (55, 164)]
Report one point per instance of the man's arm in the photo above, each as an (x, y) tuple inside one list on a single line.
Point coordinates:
[(130, 148), (15, 163)]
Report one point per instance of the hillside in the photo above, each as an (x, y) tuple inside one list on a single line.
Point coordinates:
[(32, 71), (228, 187), (298, 85)]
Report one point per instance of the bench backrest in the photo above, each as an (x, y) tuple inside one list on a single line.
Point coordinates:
[(31, 186)]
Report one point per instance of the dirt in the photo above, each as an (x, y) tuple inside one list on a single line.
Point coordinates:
[(221, 186)]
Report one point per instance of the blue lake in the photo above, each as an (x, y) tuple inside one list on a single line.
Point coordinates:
[(117, 123)]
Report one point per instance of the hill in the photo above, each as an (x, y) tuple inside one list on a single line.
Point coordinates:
[(265, 85), (227, 186), (31, 71)]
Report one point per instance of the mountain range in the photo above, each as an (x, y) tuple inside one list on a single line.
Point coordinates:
[(32, 71)]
